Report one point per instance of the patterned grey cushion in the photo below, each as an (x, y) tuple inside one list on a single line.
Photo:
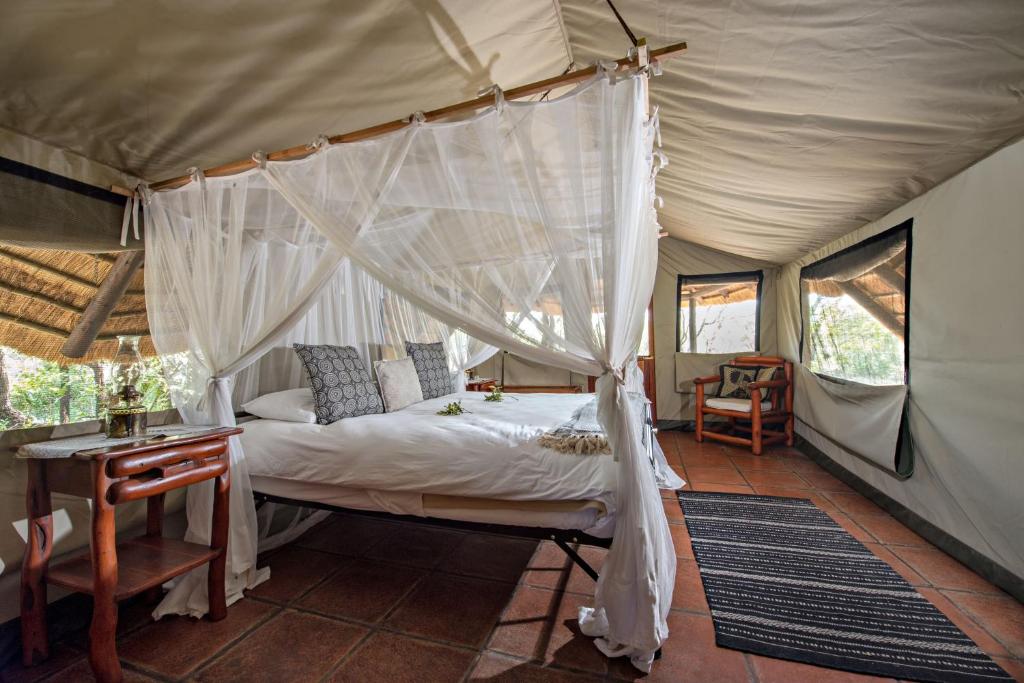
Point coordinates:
[(341, 385), (431, 363)]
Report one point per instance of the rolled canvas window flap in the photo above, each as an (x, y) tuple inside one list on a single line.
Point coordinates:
[(858, 262), (866, 420), (43, 210)]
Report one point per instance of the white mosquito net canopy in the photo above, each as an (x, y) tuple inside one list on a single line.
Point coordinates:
[(526, 216)]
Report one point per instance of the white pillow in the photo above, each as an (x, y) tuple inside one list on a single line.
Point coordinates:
[(399, 383), (291, 405)]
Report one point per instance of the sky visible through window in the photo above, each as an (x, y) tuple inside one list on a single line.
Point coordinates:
[(720, 328)]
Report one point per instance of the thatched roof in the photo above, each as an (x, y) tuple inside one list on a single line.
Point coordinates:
[(714, 294), (43, 293), (880, 291)]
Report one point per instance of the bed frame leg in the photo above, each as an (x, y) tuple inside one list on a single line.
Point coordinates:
[(575, 557)]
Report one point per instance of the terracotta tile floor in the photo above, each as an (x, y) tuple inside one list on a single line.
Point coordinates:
[(367, 600)]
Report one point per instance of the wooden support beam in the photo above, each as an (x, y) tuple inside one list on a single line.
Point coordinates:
[(691, 323), (300, 151), (54, 272), (40, 297), (876, 311), (56, 331), (101, 306), (707, 291), (889, 276)]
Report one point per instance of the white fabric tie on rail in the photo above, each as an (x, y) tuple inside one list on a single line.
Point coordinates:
[(131, 216), (499, 96)]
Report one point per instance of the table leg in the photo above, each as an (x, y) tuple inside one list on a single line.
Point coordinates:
[(155, 527), (102, 648), (219, 539), (34, 642)]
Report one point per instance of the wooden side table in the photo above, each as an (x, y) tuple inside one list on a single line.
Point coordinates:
[(480, 384), (111, 571)]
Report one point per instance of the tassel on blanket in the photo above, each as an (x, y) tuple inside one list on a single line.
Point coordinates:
[(576, 444)]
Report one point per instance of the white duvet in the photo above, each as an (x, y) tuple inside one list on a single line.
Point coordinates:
[(489, 452)]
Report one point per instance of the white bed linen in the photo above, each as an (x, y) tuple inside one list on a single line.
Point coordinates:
[(488, 452)]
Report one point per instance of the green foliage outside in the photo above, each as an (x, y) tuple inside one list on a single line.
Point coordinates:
[(43, 393), (846, 342)]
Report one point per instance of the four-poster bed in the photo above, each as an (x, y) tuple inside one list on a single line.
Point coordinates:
[(463, 232)]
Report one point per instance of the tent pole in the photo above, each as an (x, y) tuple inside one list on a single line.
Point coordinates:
[(691, 322), (301, 151)]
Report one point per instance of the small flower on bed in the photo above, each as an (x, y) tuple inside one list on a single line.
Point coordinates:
[(453, 408), (495, 394)]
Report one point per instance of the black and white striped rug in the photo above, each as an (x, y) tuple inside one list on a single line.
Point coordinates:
[(784, 580)]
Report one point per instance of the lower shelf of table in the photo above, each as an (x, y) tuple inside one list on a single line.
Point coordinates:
[(142, 563)]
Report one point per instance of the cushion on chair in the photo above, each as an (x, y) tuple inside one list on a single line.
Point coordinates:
[(742, 405), (735, 379)]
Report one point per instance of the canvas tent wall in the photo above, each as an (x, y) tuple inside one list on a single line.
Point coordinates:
[(675, 369), (966, 362)]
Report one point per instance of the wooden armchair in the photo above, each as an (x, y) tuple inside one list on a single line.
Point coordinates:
[(770, 402)]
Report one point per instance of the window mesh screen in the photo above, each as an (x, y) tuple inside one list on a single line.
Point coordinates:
[(855, 311), (719, 313)]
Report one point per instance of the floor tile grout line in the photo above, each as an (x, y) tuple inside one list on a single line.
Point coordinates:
[(751, 669), (360, 644), (260, 623), (1010, 651), (334, 571)]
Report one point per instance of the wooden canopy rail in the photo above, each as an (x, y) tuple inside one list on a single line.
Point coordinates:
[(535, 88)]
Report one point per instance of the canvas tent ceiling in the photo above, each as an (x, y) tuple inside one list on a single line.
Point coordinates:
[(787, 124)]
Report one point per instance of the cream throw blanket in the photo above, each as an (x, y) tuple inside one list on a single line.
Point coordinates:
[(581, 434)]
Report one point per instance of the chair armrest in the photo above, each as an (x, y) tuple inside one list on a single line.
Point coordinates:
[(773, 384), (707, 380)]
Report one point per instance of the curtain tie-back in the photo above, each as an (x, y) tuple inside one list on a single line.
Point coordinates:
[(260, 157), (211, 382), (618, 374)]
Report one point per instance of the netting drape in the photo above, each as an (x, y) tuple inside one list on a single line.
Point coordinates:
[(529, 227), (230, 267)]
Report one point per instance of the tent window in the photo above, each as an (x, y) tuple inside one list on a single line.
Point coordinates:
[(719, 313), (855, 323), (36, 392)]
